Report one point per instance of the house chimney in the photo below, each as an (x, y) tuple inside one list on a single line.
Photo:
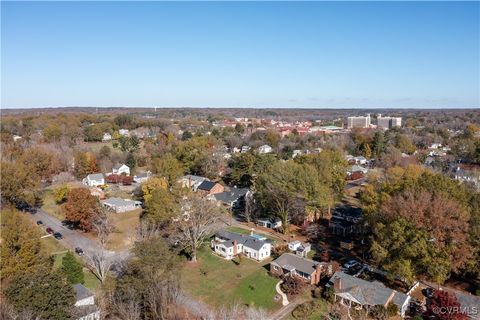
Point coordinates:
[(234, 247), (338, 284), (318, 273)]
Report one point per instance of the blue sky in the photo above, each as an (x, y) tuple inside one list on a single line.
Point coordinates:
[(251, 54)]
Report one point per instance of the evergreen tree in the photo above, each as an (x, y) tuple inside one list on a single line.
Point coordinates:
[(72, 269), (44, 293)]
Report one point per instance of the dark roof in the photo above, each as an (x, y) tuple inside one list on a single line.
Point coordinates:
[(232, 195), (348, 212), (287, 260), (81, 292), (244, 239), (206, 185)]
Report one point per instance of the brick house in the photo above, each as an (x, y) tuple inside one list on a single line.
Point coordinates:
[(305, 269), (209, 187)]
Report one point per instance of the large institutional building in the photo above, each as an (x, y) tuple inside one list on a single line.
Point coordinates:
[(388, 122), (358, 122)]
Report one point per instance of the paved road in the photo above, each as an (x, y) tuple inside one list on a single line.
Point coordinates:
[(73, 238)]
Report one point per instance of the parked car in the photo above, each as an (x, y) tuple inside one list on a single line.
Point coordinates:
[(58, 235), (79, 251), (39, 222), (428, 292), (49, 230), (350, 264)]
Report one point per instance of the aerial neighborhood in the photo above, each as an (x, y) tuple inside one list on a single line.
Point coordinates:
[(292, 221)]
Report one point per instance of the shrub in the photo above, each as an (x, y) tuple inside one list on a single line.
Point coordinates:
[(292, 285), (328, 294), (392, 309), (61, 194), (378, 312)]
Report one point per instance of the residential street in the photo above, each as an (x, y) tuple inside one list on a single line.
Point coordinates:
[(71, 238)]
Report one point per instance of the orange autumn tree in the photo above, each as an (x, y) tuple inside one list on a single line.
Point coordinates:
[(81, 208)]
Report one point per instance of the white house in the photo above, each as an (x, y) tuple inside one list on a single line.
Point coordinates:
[(230, 244), (293, 245), (271, 223), (300, 249), (142, 177), (265, 149), (121, 205), (121, 168), (245, 149), (94, 180), (107, 136), (85, 308), (191, 181), (16, 138), (124, 132)]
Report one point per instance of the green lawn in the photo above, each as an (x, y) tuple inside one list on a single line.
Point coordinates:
[(310, 310), (54, 248), (245, 231), (219, 282)]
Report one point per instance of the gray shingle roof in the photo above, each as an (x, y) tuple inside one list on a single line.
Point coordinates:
[(301, 264), (95, 176), (118, 202), (81, 292), (366, 292), (232, 195), (244, 239)]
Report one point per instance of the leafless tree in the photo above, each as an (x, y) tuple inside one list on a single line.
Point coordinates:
[(252, 313), (7, 312), (199, 219), (147, 230), (249, 207), (99, 259), (128, 308)]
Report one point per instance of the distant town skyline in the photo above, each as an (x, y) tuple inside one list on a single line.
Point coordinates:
[(319, 55)]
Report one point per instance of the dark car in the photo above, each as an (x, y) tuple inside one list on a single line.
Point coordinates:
[(69, 224), (79, 251), (428, 292), (58, 235), (39, 222), (49, 230)]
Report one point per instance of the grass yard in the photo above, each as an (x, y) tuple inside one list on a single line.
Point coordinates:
[(219, 282), (126, 224), (50, 206), (310, 310), (245, 231), (51, 246), (54, 248)]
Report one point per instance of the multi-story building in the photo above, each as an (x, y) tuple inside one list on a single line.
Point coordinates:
[(388, 122), (358, 122)]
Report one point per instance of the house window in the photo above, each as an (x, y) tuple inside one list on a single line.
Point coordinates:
[(275, 268)]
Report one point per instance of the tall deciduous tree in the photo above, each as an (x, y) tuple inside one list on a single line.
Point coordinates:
[(19, 187), (198, 219), (81, 208), (85, 163), (21, 248), (168, 167), (150, 280)]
